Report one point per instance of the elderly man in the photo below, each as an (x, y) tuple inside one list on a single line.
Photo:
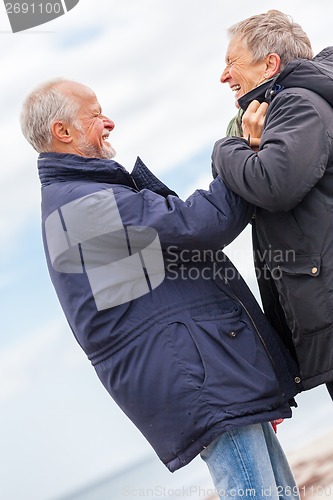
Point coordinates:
[(171, 329), (270, 65)]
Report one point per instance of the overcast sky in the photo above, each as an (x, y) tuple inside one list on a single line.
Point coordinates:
[(155, 67)]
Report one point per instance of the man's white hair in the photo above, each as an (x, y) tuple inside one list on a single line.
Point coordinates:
[(42, 107)]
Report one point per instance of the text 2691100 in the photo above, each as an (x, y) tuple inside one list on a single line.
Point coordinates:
[(33, 8)]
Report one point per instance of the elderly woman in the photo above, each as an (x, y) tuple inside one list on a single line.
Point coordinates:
[(279, 156)]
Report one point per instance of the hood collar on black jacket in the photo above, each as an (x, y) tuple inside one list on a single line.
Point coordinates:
[(258, 94), (312, 74)]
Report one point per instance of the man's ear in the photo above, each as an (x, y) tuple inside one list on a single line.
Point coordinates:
[(61, 132), (272, 65)]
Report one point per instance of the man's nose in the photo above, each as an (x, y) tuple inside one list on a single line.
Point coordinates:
[(109, 124), (225, 75)]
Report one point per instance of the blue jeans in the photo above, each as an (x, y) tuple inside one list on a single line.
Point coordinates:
[(249, 463)]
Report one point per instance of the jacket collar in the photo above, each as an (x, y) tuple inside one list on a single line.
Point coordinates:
[(258, 94), (58, 167)]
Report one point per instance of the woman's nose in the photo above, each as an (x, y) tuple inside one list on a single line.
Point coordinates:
[(225, 75)]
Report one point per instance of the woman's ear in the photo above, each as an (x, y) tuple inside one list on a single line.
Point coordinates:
[(272, 65)]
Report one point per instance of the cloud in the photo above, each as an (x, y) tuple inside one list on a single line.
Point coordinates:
[(42, 351)]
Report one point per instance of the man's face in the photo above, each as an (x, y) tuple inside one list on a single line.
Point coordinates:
[(91, 138), (241, 72)]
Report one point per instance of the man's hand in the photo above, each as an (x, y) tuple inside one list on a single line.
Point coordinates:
[(253, 122)]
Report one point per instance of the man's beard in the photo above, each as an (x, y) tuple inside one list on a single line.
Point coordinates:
[(90, 151)]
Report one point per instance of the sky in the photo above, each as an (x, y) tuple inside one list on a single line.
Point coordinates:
[(155, 67)]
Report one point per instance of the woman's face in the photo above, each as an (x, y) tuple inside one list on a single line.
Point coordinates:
[(241, 72)]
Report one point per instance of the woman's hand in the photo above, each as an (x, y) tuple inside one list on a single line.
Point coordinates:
[(253, 122)]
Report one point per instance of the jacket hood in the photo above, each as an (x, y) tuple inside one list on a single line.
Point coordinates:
[(312, 74)]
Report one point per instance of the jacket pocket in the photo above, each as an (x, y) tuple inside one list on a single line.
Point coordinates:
[(238, 367), (186, 353), (185, 338), (303, 293)]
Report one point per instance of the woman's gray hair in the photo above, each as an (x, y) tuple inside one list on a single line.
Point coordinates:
[(273, 32), (42, 107)]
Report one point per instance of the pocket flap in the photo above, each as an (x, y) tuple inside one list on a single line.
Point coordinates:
[(302, 264)]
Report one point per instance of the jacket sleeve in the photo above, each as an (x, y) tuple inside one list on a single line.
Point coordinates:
[(293, 154), (207, 219)]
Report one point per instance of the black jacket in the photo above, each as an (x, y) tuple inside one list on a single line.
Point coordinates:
[(290, 180)]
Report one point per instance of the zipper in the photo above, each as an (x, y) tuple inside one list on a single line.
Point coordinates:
[(135, 184), (234, 296), (256, 329)]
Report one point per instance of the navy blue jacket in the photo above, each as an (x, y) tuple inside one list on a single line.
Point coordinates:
[(172, 330), (290, 180)]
